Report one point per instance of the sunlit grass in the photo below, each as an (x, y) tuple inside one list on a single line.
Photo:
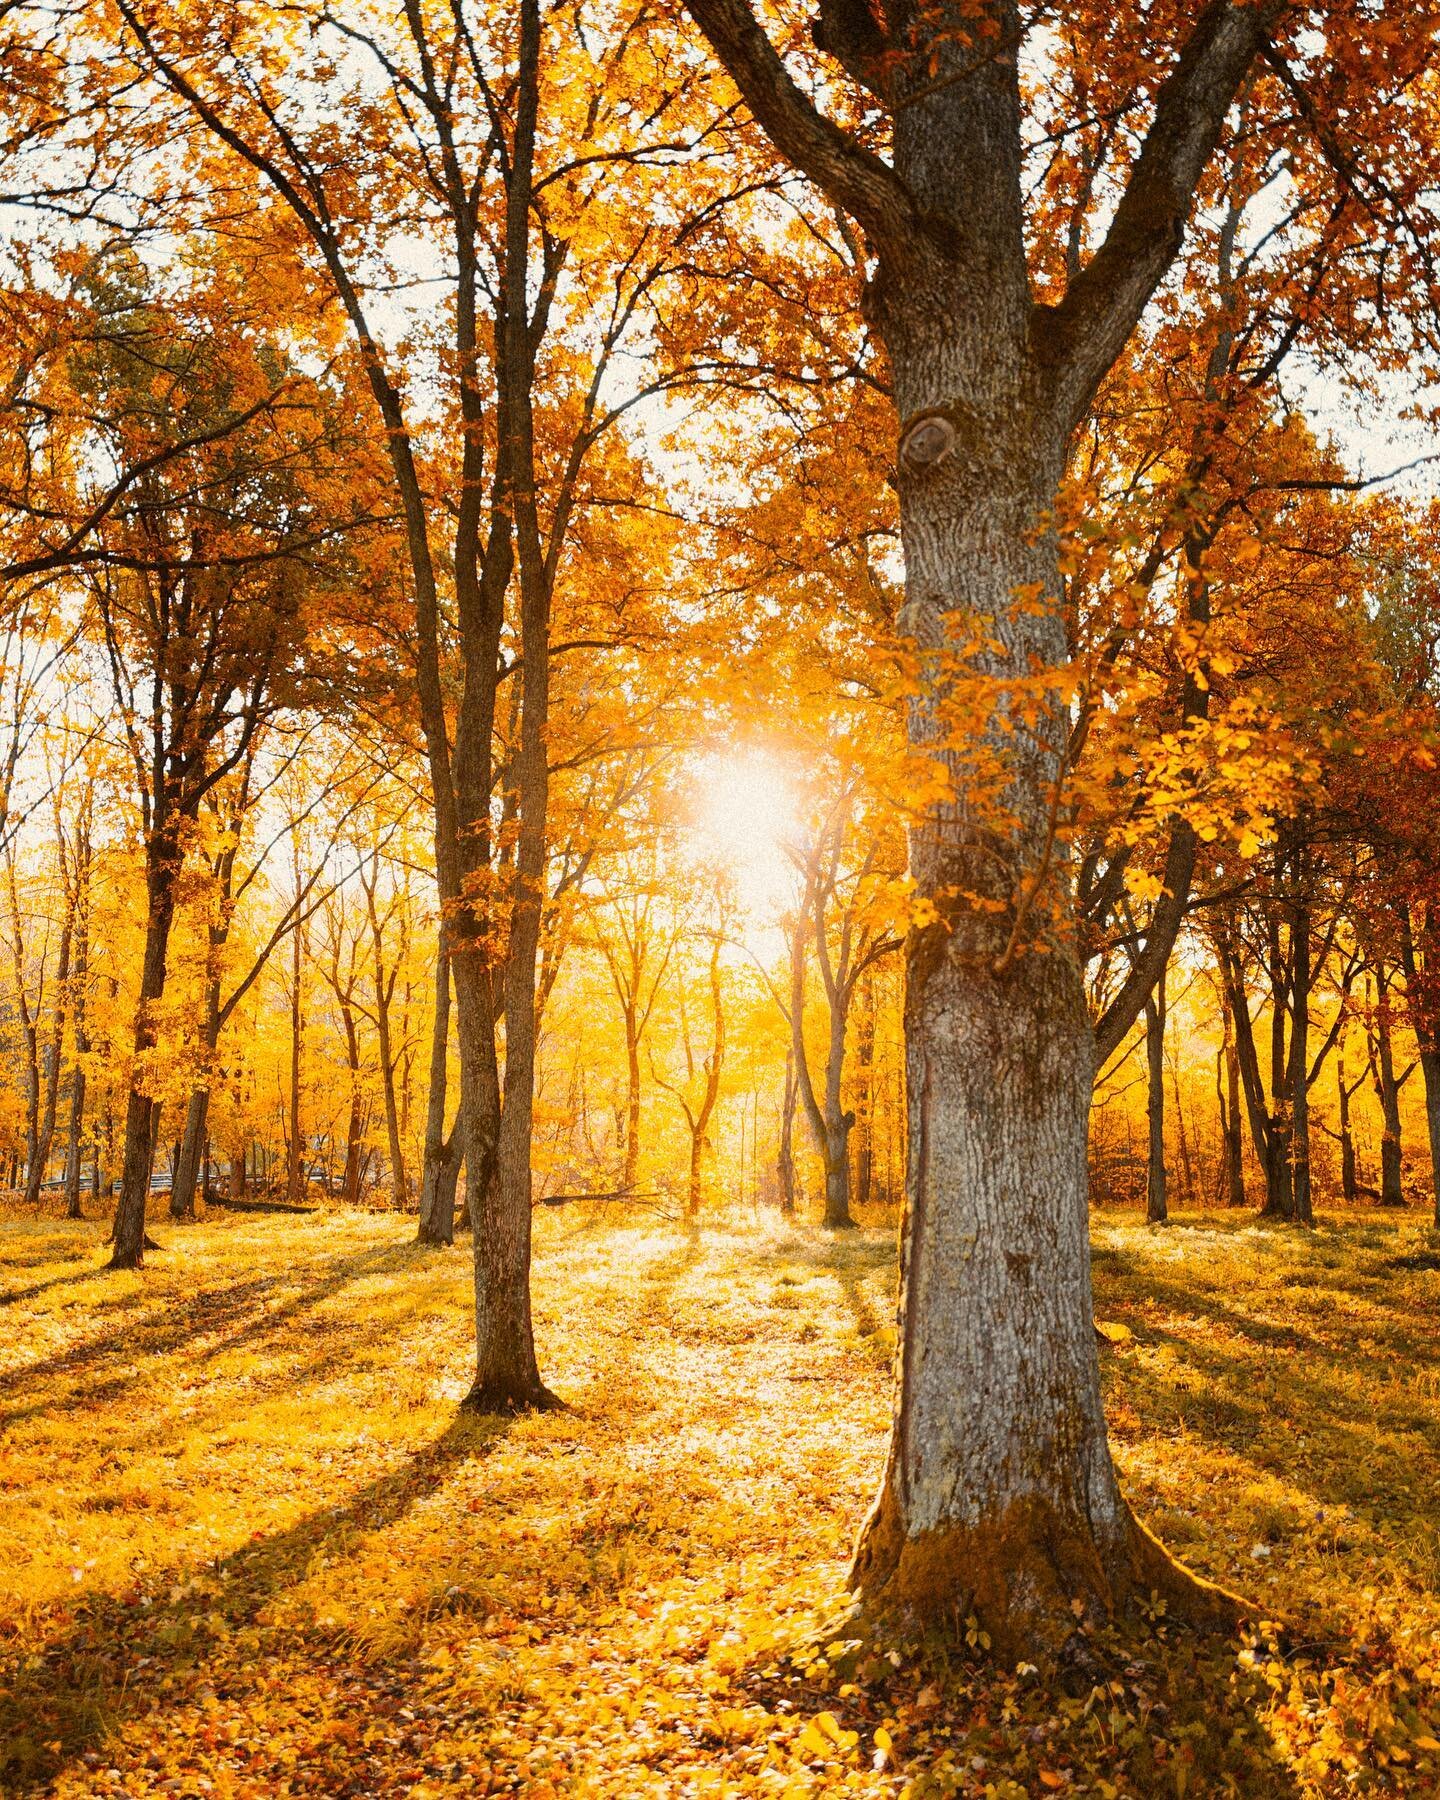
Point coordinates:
[(246, 1539)]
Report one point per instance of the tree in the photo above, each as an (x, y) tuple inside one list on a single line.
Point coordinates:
[(197, 578), (698, 1096), (1000, 1498), (840, 924), (524, 168)]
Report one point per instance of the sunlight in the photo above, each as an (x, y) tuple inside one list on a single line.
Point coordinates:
[(745, 814)]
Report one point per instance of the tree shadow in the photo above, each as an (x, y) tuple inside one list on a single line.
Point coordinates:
[(168, 1323), (114, 1664), (14, 1296)]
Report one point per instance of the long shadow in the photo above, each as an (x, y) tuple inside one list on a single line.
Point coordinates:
[(1214, 1393), (173, 1325), (113, 1665), (15, 1295)]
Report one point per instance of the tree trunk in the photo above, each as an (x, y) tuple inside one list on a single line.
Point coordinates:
[(1349, 1171), (188, 1174), (864, 1134), (1299, 1083), (999, 1497), (1430, 1075), (1230, 1124), (1156, 1209), (1387, 1092), (785, 1155), (142, 1113), (45, 1122), (441, 1168), (631, 1166), (73, 1208), (295, 1159), (705, 1111), (82, 1038), (507, 1375)]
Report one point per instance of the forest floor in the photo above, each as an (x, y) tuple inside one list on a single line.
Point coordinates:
[(248, 1546)]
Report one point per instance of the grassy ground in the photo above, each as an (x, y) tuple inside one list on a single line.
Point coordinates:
[(248, 1546)]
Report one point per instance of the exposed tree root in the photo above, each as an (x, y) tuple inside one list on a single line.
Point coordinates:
[(507, 1400)]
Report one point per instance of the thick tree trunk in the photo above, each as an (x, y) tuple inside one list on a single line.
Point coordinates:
[(441, 1169), (507, 1375), (192, 1148), (999, 1498), (1156, 1209)]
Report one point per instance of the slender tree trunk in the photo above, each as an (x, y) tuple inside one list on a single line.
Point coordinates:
[(864, 1134), (1156, 1209), (1279, 1168), (73, 1148), (1387, 1092), (1420, 976), (441, 1167), (1303, 1208), (82, 1037), (142, 1113), (1230, 1122), (714, 1063), (631, 1169), (835, 1139), (43, 1126), (296, 1159), (1349, 1172), (785, 1156)]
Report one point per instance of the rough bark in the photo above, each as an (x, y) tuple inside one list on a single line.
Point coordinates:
[(999, 1497)]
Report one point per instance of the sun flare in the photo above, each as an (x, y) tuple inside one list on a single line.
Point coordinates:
[(747, 814)]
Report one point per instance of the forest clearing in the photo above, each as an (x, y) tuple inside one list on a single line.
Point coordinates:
[(250, 1543), (720, 897)]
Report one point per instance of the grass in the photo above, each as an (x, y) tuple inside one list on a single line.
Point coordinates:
[(248, 1546)]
